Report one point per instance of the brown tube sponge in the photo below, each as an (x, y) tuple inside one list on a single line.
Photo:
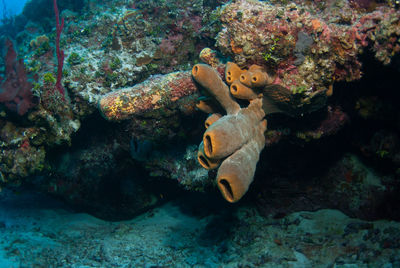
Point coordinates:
[(255, 67), (212, 119), (240, 91), (260, 78), (207, 77), (256, 76), (204, 161), (245, 78), (236, 172), (232, 72), (231, 132), (205, 107), (237, 138)]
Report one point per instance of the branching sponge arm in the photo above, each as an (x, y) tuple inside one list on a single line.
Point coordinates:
[(208, 78)]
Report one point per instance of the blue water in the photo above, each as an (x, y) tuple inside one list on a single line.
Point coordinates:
[(13, 7)]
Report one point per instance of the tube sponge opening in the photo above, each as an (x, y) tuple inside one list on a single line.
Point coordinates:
[(240, 91), (236, 173), (231, 182), (204, 161), (245, 78), (231, 195), (232, 72), (212, 119), (260, 79)]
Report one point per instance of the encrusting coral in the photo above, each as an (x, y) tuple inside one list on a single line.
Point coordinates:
[(156, 92), (236, 139)]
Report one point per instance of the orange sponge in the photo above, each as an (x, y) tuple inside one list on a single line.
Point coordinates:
[(240, 91), (256, 76), (260, 78), (245, 78), (231, 132), (237, 138), (206, 106), (212, 119), (232, 72), (237, 171), (204, 161), (208, 78)]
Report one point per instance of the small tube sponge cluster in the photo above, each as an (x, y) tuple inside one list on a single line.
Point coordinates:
[(233, 142), (255, 82)]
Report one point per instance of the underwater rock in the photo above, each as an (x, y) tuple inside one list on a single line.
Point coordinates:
[(20, 155), (348, 185), (159, 92), (180, 165), (97, 174), (305, 49), (304, 41), (141, 149), (156, 109)]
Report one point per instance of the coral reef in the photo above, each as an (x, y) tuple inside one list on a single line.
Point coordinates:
[(154, 108), (288, 61), (21, 153), (143, 40), (305, 50)]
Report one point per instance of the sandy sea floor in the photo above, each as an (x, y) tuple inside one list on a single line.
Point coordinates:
[(37, 231)]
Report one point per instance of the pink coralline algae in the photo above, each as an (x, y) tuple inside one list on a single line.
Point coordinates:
[(171, 43), (307, 47), (15, 87)]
